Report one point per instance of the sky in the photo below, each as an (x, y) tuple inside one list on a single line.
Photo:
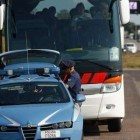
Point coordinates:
[(135, 19), (68, 5)]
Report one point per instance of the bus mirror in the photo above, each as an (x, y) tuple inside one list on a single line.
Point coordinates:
[(122, 36), (124, 11), (2, 13)]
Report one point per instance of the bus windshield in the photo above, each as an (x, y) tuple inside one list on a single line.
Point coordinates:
[(79, 29)]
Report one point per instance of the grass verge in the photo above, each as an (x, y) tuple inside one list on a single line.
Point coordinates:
[(131, 60)]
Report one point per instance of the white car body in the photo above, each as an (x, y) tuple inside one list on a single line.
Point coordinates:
[(131, 47)]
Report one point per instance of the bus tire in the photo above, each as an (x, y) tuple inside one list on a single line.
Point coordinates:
[(114, 125)]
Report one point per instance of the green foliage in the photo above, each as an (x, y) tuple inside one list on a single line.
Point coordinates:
[(130, 27), (63, 14), (131, 60)]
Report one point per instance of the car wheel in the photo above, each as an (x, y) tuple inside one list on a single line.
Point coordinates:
[(114, 125)]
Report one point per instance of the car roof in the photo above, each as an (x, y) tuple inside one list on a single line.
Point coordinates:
[(130, 43), (30, 72)]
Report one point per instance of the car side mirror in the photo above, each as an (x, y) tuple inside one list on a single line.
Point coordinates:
[(80, 98)]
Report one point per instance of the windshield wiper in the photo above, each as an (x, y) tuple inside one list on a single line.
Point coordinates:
[(14, 31)]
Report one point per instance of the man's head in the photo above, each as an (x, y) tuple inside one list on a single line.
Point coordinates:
[(67, 66), (80, 8), (4, 61), (52, 11)]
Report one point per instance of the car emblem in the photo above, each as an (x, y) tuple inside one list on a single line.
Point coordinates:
[(29, 125)]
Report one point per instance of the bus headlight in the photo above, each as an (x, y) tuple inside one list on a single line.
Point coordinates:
[(112, 87), (112, 84)]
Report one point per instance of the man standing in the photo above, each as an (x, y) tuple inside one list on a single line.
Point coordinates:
[(2, 63), (71, 77)]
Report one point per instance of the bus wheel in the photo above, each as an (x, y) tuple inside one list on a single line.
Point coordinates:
[(114, 125)]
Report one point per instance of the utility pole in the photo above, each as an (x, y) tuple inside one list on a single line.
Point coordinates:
[(135, 32), (138, 34)]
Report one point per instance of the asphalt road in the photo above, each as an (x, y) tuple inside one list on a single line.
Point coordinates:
[(131, 123)]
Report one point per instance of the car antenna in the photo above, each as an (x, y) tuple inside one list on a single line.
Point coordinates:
[(26, 39)]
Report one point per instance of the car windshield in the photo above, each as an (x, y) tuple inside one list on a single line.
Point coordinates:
[(33, 93)]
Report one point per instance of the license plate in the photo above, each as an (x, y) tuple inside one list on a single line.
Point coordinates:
[(50, 134)]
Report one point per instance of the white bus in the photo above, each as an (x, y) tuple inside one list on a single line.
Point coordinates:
[(86, 31)]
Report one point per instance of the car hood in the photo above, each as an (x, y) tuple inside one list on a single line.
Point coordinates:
[(35, 114)]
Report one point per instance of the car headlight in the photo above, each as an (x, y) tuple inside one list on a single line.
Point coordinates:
[(111, 85), (60, 125), (4, 128), (55, 126), (68, 124)]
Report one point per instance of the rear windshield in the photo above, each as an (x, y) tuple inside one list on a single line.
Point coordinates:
[(130, 45)]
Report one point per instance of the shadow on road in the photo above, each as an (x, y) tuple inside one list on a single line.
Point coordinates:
[(91, 128)]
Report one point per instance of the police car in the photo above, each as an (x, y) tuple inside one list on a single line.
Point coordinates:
[(34, 102)]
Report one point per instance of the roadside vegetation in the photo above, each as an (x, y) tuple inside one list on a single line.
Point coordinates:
[(131, 60)]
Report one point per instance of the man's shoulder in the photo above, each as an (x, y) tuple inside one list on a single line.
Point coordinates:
[(75, 74)]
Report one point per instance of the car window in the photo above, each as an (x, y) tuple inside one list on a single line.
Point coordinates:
[(33, 93), (130, 45)]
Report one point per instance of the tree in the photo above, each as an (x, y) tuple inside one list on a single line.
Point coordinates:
[(63, 14), (130, 27)]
